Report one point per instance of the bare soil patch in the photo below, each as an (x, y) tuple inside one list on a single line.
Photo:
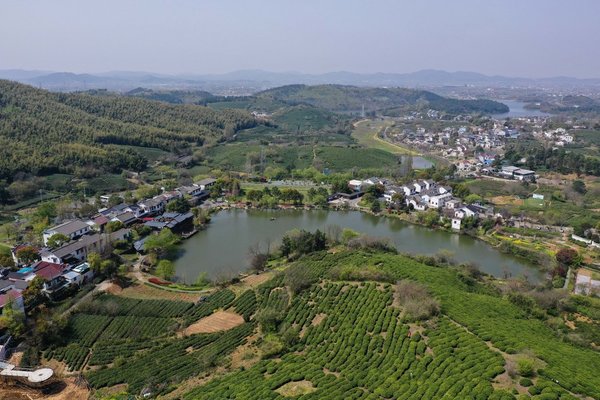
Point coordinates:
[(255, 280), (61, 390), (16, 357), (293, 389), (318, 319), (506, 200), (219, 321), (328, 371), (113, 288)]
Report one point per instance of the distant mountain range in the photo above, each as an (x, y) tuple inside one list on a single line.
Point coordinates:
[(256, 80)]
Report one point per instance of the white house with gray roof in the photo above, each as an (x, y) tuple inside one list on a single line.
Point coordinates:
[(71, 229)]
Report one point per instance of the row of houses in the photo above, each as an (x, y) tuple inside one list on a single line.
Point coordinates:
[(426, 194), (65, 265), (84, 237), (128, 214)]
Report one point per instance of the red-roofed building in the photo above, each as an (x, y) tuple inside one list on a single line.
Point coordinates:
[(48, 271), (99, 222), (51, 273), (15, 296)]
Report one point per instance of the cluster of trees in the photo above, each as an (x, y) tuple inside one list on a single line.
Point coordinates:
[(43, 132), (560, 160), (161, 247), (297, 243), (270, 197), (317, 196)]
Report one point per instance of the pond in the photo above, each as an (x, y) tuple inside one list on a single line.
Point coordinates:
[(223, 248), (417, 162), (517, 109)]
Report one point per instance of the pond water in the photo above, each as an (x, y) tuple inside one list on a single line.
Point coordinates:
[(418, 162), (517, 109), (222, 249)]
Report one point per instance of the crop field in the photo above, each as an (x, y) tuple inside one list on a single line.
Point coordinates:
[(365, 132), (112, 326), (345, 158)]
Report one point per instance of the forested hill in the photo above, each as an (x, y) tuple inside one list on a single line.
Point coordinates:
[(352, 98), (176, 96), (43, 132)]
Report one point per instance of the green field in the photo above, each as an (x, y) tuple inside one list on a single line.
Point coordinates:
[(237, 157), (108, 183), (302, 118), (366, 132), (534, 203), (345, 158), (4, 249)]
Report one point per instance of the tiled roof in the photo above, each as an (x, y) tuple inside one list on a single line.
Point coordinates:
[(69, 228), (11, 294)]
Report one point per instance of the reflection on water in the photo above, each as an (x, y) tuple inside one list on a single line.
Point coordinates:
[(223, 248)]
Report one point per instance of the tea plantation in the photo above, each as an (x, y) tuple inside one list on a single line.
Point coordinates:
[(351, 342), (344, 333)]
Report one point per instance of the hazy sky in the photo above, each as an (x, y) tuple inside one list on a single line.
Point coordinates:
[(530, 38)]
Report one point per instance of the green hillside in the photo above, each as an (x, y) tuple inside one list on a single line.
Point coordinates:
[(354, 324), (199, 97), (44, 133), (344, 339)]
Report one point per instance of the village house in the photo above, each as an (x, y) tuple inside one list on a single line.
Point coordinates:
[(15, 250), (517, 173), (456, 223), (176, 222), (153, 206), (98, 222), (439, 200), (71, 229), (79, 274), (453, 203), (12, 295), (127, 218), (375, 181), (355, 185), (77, 251), (206, 184), (190, 191)]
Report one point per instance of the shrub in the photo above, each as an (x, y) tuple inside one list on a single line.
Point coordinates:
[(416, 301), (271, 346), (525, 382), (526, 367)]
